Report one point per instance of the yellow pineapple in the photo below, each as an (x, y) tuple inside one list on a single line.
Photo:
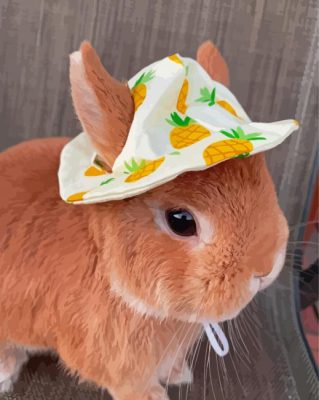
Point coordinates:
[(175, 58), (228, 107), (94, 171), (210, 98), (186, 131), (144, 168), (181, 101), (238, 145), (76, 197), (139, 89)]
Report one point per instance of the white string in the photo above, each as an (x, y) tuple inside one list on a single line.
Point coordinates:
[(214, 332)]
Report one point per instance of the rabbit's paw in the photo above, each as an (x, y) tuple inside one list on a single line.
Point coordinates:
[(6, 384), (175, 372), (181, 376), (11, 361), (155, 393), (158, 393)]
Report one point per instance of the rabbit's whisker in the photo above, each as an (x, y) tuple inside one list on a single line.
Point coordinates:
[(194, 358), (236, 345), (218, 374), (185, 358), (195, 327), (205, 368), (303, 242), (165, 352), (302, 224)]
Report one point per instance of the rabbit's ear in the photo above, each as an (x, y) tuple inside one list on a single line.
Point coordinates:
[(213, 62), (103, 105)]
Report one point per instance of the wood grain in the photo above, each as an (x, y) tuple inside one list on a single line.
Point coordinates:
[(271, 48)]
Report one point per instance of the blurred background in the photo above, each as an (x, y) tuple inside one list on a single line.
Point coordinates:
[(271, 48)]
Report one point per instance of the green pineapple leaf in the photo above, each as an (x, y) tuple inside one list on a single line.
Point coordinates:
[(107, 181), (205, 92), (176, 120), (144, 78), (207, 96), (258, 138), (254, 136), (228, 134), (148, 76), (236, 133), (134, 165), (212, 97), (139, 80), (240, 134), (142, 164), (244, 155), (128, 167), (170, 122)]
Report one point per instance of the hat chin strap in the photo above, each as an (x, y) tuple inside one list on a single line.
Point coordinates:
[(216, 338)]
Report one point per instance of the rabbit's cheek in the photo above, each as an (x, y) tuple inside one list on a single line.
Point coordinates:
[(134, 302)]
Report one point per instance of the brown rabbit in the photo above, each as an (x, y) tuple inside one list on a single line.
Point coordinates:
[(119, 290)]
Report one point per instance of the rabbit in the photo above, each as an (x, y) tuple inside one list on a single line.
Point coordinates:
[(120, 289)]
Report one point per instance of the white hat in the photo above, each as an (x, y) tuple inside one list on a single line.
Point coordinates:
[(183, 121)]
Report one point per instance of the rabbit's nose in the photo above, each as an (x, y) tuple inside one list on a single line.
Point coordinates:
[(268, 278), (261, 276)]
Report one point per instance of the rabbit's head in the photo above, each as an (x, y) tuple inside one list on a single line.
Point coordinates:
[(197, 248)]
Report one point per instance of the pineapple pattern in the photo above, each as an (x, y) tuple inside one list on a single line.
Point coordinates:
[(144, 168), (186, 131), (139, 89), (94, 171), (210, 98), (181, 101), (182, 97), (175, 58), (76, 197), (238, 145)]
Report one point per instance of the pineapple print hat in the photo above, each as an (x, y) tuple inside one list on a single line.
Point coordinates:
[(183, 121)]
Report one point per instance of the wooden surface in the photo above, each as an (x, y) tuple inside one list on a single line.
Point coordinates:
[(271, 48)]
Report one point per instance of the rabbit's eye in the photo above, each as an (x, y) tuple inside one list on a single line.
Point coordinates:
[(181, 222)]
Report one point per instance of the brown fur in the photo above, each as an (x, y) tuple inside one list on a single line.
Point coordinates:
[(210, 58), (58, 262), (105, 106)]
